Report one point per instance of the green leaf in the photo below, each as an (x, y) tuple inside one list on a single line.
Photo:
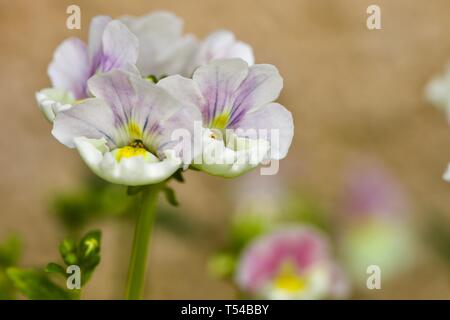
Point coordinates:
[(170, 196), (10, 252), (55, 268), (68, 251), (90, 244), (7, 290), (89, 254), (35, 285)]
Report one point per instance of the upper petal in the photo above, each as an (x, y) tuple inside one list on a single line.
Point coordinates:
[(262, 85), (218, 82), (120, 47), (162, 48), (272, 122), (116, 90), (222, 44), (69, 69), (96, 29)]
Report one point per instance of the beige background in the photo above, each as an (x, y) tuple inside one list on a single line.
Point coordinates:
[(352, 92)]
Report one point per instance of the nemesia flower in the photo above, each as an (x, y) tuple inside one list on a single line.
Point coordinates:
[(124, 134), (375, 227), (290, 263), (163, 50), (222, 44), (239, 116), (111, 46)]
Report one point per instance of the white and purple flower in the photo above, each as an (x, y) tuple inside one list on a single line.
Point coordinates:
[(111, 46), (242, 126), (125, 133), (290, 263)]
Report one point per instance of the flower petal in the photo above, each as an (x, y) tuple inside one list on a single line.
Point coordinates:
[(162, 48), (133, 171), (222, 44), (184, 89), (96, 29), (231, 159), (69, 69), (272, 122), (120, 47), (218, 82), (51, 101), (92, 118), (262, 86), (116, 90)]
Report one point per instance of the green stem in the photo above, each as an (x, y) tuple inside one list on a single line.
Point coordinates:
[(139, 253)]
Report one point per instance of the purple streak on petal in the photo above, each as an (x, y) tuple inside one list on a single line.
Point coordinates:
[(243, 102), (116, 89)]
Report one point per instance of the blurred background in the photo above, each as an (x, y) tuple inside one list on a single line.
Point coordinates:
[(357, 97)]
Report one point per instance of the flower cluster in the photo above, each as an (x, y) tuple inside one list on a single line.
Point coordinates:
[(132, 98)]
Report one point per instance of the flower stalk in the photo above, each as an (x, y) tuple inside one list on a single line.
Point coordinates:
[(143, 230)]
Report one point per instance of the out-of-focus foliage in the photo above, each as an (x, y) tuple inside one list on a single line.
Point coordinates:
[(10, 251), (38, 284), (438, 236), (96, 199)]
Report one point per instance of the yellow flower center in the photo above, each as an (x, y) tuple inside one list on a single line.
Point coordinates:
[(221, 121), (288, 280), (136, 148)]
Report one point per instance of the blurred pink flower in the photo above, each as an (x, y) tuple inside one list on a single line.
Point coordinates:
[(291, 263)]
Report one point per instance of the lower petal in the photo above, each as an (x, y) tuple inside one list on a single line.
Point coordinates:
[(133, 171), (233, 159)]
